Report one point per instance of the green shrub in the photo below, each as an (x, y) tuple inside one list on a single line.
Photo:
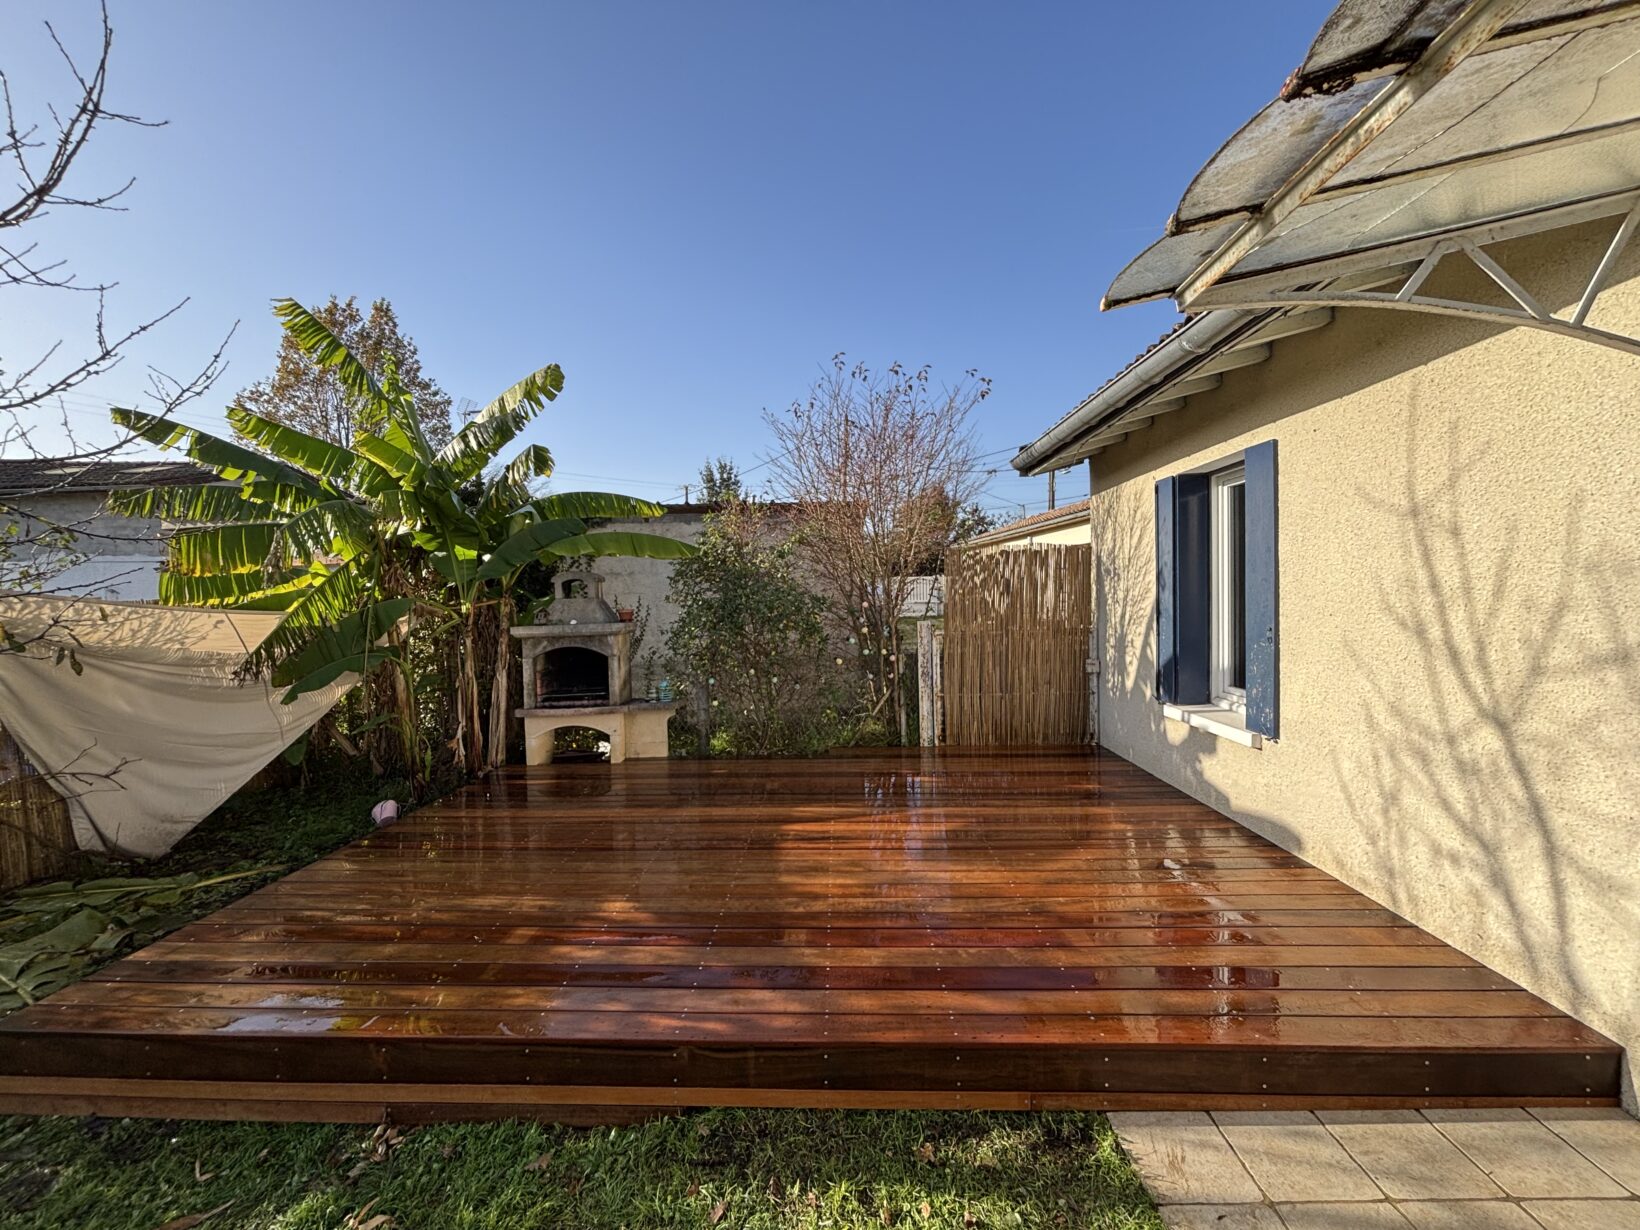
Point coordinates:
[(748, 653)]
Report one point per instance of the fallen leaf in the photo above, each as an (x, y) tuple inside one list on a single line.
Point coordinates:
[(193, 1219), (887, 1215), (362, 1220), (201, 1174), (925, 1152), (540, 1163), (968, 1219), (926, 1209), (718, 1210), (692, 1190)]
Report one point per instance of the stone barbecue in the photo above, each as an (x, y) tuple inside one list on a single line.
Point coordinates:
[(577, 672)]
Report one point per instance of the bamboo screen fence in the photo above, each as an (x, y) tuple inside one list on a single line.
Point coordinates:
[(1016, 646), (36, 839)]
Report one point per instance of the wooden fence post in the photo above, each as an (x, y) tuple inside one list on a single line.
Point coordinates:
[(928, 711)]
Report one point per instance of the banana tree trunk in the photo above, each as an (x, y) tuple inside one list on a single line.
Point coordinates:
[(500, 685), (469, 719)]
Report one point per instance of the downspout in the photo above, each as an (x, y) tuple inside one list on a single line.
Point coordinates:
[(1095, 641)]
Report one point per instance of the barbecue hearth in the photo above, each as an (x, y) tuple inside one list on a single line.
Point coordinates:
[(577, 671)]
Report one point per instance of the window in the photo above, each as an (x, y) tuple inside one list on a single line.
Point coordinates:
[(1216, 610), (1227, 669)]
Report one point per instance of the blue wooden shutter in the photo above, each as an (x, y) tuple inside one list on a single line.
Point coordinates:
[(1193, 585), (1263, 612), (1167, 623), (1183, 578)]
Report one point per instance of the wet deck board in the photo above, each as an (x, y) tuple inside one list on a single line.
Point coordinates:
[(874, 929)]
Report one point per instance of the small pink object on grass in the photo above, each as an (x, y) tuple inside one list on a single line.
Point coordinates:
[(385, 812)]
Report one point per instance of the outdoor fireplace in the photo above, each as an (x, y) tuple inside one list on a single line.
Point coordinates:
[(572, 675), (577, 671)]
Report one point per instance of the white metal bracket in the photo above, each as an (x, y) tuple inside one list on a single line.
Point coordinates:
[(1528, 310)]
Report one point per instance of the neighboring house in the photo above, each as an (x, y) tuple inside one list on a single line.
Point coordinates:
[(924, 598), (109, 556), (1068, 524), (1365, 538)]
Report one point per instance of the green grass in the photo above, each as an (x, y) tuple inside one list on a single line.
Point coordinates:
[(727, 1168), (766, 1169)]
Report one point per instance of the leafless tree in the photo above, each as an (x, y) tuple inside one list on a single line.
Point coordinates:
[(880, 465), (43, 153)]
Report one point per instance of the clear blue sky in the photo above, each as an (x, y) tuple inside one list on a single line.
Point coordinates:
[(690, 206)]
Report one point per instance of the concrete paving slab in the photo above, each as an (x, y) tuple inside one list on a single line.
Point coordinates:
[(1183, 1158), (1352, 1216), (1294, 1157), (1407, 1156), (1467, 1215), (1586, 1214), (1222, 1217), (1522, 1156), (1605, 1135)]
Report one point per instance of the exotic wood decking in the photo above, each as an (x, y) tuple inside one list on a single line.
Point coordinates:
[(1032, 929)]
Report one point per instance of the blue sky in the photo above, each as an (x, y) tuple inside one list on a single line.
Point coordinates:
[(690, 207)]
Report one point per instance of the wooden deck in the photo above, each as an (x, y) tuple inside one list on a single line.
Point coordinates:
[(1010, 930)]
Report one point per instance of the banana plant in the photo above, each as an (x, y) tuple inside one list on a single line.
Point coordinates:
[(351, 541)]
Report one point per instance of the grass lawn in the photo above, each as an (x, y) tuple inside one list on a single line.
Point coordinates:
[(724, 1168), (728, 1168)]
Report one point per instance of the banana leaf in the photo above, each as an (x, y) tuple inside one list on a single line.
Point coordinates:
[(244, 547), (328, 350), (226, 458), (528, 544), (360, 664), (642, 546), (310, 452), (475, 445), (595, 505)]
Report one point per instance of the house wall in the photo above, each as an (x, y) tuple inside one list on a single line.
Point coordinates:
[(124, 566), (1459, 559), (1061, 535)]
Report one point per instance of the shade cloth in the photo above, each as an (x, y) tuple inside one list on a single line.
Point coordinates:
[(154, 732)]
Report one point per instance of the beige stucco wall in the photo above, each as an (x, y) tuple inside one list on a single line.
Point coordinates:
[(1459, 541)]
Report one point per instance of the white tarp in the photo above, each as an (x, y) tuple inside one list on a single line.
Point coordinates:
[(155, 731)]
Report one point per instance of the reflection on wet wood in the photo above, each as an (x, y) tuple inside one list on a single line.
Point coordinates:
[(911, 928)]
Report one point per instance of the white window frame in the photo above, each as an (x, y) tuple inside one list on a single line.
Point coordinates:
[(1223, 695)]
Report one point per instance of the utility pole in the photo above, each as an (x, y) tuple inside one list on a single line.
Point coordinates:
[(1051, 475)]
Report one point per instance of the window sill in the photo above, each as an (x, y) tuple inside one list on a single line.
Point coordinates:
[(1225, 723)]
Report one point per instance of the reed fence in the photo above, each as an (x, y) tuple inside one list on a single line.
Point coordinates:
[(36, 836), (1017, 626)]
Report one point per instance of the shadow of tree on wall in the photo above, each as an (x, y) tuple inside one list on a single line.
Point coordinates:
[(1483, 721)]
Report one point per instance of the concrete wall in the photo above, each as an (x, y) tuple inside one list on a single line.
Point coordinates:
[(123, 566), (644, 582), (1459, 512)]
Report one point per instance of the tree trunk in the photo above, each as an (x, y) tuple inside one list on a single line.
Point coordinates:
[(500, 685), (470, 721)]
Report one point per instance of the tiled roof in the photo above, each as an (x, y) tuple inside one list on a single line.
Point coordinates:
[(42, 475), (1017, 529)]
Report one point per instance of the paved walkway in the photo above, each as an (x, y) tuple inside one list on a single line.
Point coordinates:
[(1542, 1169)]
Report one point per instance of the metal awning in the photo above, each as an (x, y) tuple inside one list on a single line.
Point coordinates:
[(1415, 132), (1481, 121)]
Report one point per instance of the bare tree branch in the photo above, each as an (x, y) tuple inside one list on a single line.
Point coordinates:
[(880, 465)]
